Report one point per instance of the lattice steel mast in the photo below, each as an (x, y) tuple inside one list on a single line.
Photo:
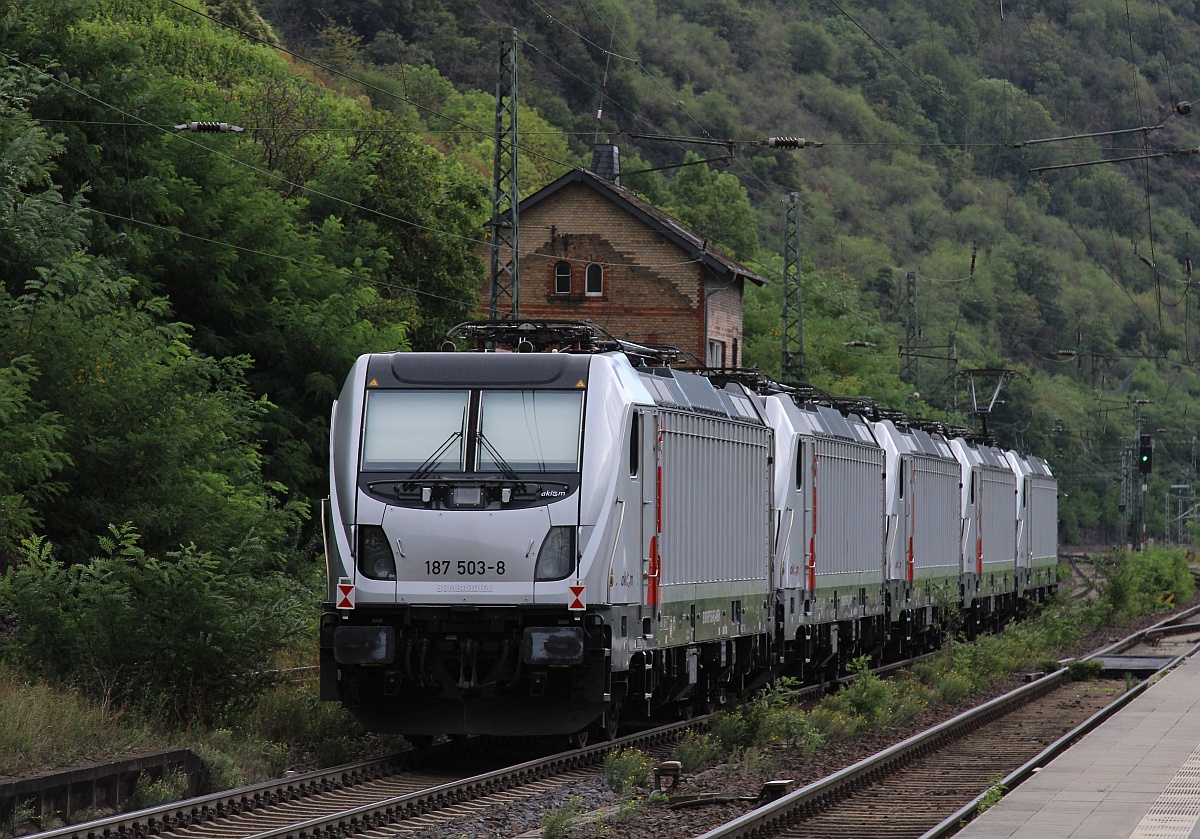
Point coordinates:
[(792, 368), (505, 297)]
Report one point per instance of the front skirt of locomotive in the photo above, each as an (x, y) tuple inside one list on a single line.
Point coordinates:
[(502, 672)]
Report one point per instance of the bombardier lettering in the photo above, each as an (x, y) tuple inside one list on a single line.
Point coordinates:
[(553, 493)]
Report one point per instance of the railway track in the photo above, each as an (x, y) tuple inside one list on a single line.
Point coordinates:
[(427, 791), (927, 785), (374, 796)]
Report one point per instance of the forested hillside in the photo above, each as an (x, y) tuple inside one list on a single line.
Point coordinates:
[(1079, 279), (178, 308)]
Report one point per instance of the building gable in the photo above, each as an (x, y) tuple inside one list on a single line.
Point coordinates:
[(590, 250)]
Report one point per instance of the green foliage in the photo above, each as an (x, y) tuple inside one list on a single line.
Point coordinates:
[(625, 770), (755, 762), (696, 749), (17, 819), (557, 823), (730, 730), (714, 205), (992, 797), (1139, 582), (866, 701), (42, 727), (628, 810), (288, 714), (176, 635), (219, 769), (156, 792), (1085, 671)]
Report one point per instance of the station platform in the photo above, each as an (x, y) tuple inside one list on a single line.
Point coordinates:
[(1137, 776)]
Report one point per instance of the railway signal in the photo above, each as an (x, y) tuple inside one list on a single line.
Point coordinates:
[(1146, 455)]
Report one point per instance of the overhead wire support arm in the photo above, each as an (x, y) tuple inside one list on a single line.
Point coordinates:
[(1165, 153), (1143, 129), (1183, 109)]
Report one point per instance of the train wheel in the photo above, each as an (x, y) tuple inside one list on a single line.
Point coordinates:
[(611, 721), (580, 738)]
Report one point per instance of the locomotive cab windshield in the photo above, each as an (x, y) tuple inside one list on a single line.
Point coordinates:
[(471, 448)]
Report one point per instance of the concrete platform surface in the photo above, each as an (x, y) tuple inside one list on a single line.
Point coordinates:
[(1137, 776)]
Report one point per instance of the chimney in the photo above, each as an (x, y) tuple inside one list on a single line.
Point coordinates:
[(606, 162)]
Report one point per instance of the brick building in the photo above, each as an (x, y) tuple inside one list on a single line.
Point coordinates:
[(592, 250)]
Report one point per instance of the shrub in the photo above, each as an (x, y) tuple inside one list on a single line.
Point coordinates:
[(694, 750), (155, 793), (334, 752), (556, 823), (1139, 582), (219, 770), (729, 730), (793, 726), (126, 620), (953, 686), (1085, 671), (755, 762), (625, 770), (865, 701)]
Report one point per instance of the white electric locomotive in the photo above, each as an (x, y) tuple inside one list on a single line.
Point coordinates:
[(546, 538)]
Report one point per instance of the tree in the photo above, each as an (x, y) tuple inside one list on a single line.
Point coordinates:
[(714, 205)]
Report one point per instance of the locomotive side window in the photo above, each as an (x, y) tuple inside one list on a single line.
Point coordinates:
[(635, 438), (529, 430), (407, 430)]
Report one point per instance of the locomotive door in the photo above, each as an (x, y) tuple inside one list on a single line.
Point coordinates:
[(650, 519)]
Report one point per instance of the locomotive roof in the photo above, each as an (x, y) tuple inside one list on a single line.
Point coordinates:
[(910, 439), (982, 454), (693, 392), (822, 421), (451, 370)]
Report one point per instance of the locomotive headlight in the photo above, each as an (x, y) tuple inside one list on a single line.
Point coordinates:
[(556, 558), (375, 558)]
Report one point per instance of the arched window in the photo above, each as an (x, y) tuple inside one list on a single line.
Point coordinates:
[(595, 279), (562, 277)]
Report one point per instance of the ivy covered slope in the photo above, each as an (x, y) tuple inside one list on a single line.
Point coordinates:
[(1078, 278)]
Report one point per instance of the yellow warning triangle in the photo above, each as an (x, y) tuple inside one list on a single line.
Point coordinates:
[(580, 383), (373, 383)]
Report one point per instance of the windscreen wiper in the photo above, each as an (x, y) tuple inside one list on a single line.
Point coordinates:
[(505, 470), (431, 462)]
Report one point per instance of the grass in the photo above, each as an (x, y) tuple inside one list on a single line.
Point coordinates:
[(42, 727), (1133, 585)]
